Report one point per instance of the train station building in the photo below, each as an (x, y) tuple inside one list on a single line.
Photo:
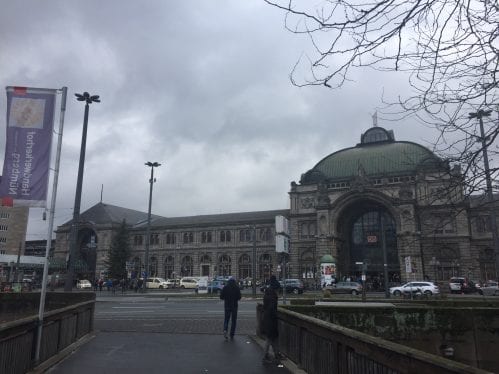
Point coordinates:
[(384, 207)]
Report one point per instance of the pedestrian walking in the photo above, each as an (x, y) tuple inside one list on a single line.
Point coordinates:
[(230, 294), (269, 322)]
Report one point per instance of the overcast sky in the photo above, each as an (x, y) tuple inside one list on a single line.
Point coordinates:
[(201, 87)]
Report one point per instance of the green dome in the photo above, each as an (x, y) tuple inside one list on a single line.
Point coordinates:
[(378, 154), (327, 259)]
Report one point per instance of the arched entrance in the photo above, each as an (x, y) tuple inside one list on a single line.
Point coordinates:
[(369, 233)]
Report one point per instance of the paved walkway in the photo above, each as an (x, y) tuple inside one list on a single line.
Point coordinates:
[(122, 353), (165, 353)]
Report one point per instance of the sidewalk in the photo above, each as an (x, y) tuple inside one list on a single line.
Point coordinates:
[(123, 353)]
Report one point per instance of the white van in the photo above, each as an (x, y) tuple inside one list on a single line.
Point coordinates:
[(189, 282), (156, 283)]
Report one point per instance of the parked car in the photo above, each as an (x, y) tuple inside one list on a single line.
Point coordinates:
[(490, 288), (215, 286), (461, 285), (426, 288), (293, 286), (353, 288), (156, 283), (172, 283), (188, 282), (83, 284)]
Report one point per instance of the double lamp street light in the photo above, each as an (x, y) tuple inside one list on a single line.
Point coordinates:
[(73, 243), (152, 165)]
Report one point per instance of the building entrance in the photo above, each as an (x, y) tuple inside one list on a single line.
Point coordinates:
[(370, 235)]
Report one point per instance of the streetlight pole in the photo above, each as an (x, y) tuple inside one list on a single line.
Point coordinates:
[(68, 285), (385, 255), (152, 165), (253, 282), (490, 196)]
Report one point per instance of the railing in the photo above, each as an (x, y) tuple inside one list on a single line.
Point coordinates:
[(320, 347), (61, 328)]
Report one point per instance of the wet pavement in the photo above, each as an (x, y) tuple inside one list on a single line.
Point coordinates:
[(120, 352)]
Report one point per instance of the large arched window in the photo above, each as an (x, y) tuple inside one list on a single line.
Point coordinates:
[(224, 266), (244, 266), (153, 267), (265, 234), (265, 267), (368, 230), (186, 267), (245, 235), (170, 238), (205, 265), (450, 265), (169, 267), (225, 236)]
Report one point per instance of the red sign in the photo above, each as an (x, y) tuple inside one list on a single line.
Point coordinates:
[(372, 239)]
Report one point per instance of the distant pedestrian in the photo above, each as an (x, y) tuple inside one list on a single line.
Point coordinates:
[(269, 322), (123, 285), (101, 283), (230, 294)]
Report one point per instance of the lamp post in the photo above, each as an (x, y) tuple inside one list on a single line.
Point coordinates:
[(490, 196), (152, 165), (68, 285), (253, 282)]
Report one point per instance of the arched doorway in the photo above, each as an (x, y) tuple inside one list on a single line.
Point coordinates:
[(186, 267), (169, 267), (205, 265), (265, 267), (369, 234), (245, 266), (153, 267), (224, 266)]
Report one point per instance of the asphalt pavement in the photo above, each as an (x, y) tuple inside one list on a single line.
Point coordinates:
[(123, 352)]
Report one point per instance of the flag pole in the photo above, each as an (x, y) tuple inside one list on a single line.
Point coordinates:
[(50, 226)]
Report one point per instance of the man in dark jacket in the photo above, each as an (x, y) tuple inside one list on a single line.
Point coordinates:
[(231, 294), (269, 323)]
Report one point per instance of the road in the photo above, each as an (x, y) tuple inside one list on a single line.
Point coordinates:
[(169, 315)]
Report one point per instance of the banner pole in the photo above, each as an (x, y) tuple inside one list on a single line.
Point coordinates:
[(50, 226)]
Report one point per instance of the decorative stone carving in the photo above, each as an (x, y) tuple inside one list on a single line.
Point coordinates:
[(405, 192), (307, 202), (323, 200)]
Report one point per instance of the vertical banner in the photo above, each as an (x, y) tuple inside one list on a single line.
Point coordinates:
[(30, 122)]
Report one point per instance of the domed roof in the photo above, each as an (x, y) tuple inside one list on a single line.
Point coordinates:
[(378, 154), (327, 259)]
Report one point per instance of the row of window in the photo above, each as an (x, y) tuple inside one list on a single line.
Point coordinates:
[(245, 235), (4, 215), (378, 181)]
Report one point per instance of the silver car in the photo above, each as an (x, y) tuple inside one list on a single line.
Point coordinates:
[(490, 288), (427, 288)]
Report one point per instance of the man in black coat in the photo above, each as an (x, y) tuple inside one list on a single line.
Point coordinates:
[(231, 294), (269, 322)]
